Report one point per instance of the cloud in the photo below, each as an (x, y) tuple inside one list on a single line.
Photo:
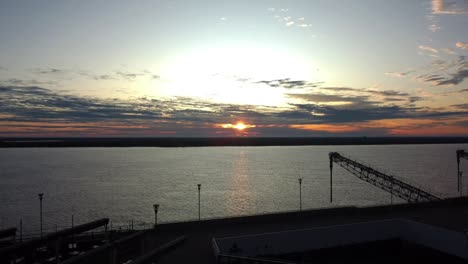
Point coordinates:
[(398, 74), (444, 73), (48, 71), (453, 7), (368, 91), (25, 82), (434, 27), (130, 76), (288, 20), (455, 92), (321, 98), (334, 114), (339, 95), (452, 79), (287, 83), (449, 51), (39, 110), (427, 48), (461, 106), (3, 68), (117, 75), (462, 45)]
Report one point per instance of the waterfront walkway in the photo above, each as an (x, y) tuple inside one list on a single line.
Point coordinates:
[(450, 214)]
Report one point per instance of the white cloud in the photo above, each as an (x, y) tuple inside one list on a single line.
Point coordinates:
[(449, 51), (282, 16), (399, 74), (462, 45), (434, 27), (427, 48)]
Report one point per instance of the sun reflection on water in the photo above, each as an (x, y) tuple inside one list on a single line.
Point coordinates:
[(239, 197)]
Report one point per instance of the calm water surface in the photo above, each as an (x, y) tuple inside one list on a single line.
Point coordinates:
[(124, 183)]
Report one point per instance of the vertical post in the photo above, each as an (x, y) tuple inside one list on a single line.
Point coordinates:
[(300, 194), (132, 225), (199, 187), (21, 230), (58, 243), (458, 170), (41, 196), (73, 220), (391, 191), (331, 177), (460, 180), (106, 234), (155, 207)]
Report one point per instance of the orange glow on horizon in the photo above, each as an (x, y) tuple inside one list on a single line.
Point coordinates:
[(238, 126)]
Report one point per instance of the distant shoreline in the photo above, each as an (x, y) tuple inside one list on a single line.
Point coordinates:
[(220, 142)]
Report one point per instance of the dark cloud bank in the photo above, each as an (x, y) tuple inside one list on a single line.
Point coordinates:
[(192, 117)]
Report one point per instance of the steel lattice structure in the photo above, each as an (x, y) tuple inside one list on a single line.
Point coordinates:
[(383, 181)]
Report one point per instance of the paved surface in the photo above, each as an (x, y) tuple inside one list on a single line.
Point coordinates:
[(451, 214)]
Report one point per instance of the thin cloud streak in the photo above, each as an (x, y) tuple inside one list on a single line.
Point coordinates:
[(462, 45), (452, 7)]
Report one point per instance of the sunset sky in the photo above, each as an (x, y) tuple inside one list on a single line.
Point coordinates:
[(234, 68)]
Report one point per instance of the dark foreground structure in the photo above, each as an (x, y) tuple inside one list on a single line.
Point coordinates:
[(430, 232)]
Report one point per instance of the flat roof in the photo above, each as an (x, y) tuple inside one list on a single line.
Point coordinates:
[(450, 214)]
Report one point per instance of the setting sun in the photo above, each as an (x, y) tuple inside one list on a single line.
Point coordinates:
[(238, 126)]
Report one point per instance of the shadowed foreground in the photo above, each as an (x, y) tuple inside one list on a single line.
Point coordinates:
[(192, 242)]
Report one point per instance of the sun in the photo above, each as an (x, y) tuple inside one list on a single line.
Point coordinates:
[(239, 126)]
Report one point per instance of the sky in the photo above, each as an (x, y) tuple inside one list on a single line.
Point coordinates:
[(233, 68)]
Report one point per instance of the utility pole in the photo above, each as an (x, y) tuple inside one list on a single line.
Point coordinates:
[(300, 194), (41, 196), (331, 178), (21, 230), (155, 207), (459, 152), (460, 182), (199, 188)]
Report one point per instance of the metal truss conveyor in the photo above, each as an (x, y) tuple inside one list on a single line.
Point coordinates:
[(381, 180)]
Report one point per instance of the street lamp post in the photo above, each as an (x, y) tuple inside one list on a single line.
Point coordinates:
[(155, 207), (41, 196), (300, 194), (460, 180), (199, 188)]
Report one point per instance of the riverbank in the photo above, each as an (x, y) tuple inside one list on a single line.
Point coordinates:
[(222, 141)]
